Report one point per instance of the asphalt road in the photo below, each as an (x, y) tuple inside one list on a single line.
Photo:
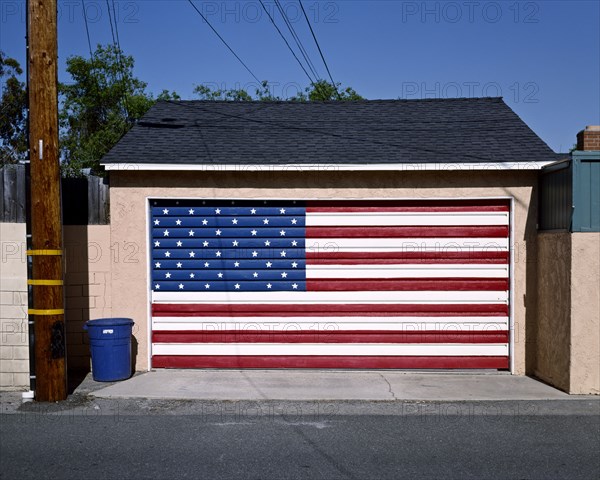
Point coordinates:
[(241, 445)]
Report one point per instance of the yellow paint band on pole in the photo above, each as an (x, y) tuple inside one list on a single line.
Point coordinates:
[(35, 311), (45, 282), (44, 252)]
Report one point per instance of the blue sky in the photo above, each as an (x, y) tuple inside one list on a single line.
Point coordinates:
[(543, 57)]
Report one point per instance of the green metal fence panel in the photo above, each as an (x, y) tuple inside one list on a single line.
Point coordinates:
[(586, 192)]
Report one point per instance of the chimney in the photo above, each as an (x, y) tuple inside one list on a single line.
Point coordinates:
[(589, 139)]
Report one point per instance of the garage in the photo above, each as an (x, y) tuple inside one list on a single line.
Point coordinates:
[(264, 283)]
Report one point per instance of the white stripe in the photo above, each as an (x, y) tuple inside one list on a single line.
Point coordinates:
[(327, 219), (440, 349), (331, 324), (451, 244), (407, 271), (291, 298)]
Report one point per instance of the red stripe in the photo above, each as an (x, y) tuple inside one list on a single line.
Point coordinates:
[(328, 310), (351, 258), (328, 336), (408, 206), (500, 231), (407, 284), (225, 361)]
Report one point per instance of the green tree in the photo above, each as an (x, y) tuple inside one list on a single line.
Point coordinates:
[(317, 92), (13, 116), (99, 106)]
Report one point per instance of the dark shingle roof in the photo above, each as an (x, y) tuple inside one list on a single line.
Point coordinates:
[(372, 131)]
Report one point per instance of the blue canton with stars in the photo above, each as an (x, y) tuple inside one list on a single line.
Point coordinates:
[(228, 246)]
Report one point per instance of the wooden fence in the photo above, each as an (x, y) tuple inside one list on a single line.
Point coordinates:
[(85, 201)]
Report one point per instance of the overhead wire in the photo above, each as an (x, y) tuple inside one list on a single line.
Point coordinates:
[(87, 29), (319, 48), (287, 43), (119, 54), (224, 42), (297, 40)]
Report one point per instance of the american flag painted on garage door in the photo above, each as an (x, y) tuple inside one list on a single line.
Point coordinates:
[(330, 284)]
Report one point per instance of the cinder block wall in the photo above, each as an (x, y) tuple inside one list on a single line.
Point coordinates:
[(88, 259), (14, 331)]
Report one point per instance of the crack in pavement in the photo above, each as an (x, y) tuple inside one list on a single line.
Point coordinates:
[(389, 386)]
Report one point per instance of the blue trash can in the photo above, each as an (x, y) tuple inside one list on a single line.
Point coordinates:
[(110, 344)]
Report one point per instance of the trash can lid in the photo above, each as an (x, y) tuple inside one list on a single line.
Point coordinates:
[(108, 322)]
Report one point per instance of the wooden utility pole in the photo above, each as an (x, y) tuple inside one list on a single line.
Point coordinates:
[(46, 228)]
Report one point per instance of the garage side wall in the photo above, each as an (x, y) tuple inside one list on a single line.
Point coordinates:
[(130, 191)]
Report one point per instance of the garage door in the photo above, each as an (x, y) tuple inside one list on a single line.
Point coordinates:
[(330, 284)]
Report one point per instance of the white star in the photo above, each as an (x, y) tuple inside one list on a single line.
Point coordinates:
[(282, 211), (218, 211), (294, 221), (207, 285), (166, 233), (192, 275), (205, 243), (294, 243), (236, 264), (283, 254), (294, 265), (179, 264), (167, 254), (157, 244), (282, 233), (166, 211), (181, 286), (206, 264), (267, 243), (178, 222), (268, 264), (234, 221), (253, 211), (220, 275), (283, 275), (218, 254), (255, 253), (218, 232), (191, 211), (295, 286), (237, 286), (167, 275), (235, 243), (192, 254), (179, 243), (205, 222), (191, 233), (269, 285), (157, 222), (255, 274), (266, 221), (157, 264), (253, 232), (157, 287)]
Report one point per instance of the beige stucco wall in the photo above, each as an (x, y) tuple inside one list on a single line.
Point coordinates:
[(554, 308), (129, 190), (585, 313), (88, 261), (14, 331), (568, 340)]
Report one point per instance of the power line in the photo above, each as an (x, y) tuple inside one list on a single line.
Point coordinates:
[(319, 47), (224, 42), (87, 30), (117, 46), (286, 42), (297, 40)]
